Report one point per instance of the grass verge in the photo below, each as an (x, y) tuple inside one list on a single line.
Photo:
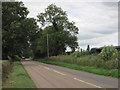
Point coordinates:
[(18, 78), (99, 71), (6, 69)]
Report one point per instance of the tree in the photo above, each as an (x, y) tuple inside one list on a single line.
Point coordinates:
[(88, 48), (57, 17), (12, 11), (62, 32), (17, 29), (108, 52)]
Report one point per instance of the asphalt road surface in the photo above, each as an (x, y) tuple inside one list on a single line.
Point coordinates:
[(51, 76)]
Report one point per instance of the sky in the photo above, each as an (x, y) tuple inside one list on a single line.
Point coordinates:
[(97, 20)]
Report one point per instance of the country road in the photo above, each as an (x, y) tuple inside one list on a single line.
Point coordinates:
[(51, 76)]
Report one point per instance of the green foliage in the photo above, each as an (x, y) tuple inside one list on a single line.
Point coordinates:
[(10, 59), (67, 58), (80, 53), (57, 41), (108, 52), (11, 12), (61, 32), (17, 30), (6, 69), (56, 16), (17, 58), (21, 36), (87, 60)]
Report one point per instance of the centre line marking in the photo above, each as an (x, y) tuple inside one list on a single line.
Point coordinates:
[(59, 72), (87, 83), (47, 68)]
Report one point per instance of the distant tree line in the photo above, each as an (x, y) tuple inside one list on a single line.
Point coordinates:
[(98, 50)]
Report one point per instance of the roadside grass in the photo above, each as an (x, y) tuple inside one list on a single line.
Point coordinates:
[(18, 78), (6, 68), (95, 70), (88, 60)]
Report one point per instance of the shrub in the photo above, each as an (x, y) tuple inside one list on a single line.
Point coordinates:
[(6, 68), (76, 54), (17, 58), (80, 53), (108, 52), (63, 58), (10, 59)]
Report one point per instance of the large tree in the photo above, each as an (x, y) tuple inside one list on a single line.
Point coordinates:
[(17, 29), (62, 33)]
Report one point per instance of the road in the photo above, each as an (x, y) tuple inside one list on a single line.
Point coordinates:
[(51, 76)]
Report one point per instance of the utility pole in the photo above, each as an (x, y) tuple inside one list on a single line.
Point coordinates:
[(47, 46)]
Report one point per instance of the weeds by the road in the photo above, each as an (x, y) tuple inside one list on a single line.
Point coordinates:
[(6, 69), (95, 70), (18, 78), (88, 60)]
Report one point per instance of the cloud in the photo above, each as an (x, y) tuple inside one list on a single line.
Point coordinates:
[(90, 35), (100, 41), (97, 21), (111, 4)]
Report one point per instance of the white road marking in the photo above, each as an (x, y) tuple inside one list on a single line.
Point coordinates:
[(87, 83), (74, 78), (59, 72), (47, 68)]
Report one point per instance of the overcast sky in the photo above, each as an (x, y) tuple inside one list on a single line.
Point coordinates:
[(97, 21)]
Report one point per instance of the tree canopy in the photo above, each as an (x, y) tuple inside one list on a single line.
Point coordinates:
[(58, 18), (22, 36), (62, 32), (17, 29)]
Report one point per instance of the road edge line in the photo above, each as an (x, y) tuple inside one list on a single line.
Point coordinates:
[(59, 72), (87, 83)]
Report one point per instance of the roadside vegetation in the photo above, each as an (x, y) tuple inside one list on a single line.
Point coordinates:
[(6, 69), (18, 78), (104, 63), (23, 37)]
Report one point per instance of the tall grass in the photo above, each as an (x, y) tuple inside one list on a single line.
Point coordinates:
[(88, 60), (6, 69)]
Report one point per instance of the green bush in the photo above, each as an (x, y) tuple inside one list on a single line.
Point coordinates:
[(14, 58), (7, 66), (76, 54), (17, 58), (63, 58), (6, 69), (10, 59), (108, 52), (80, 53)]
